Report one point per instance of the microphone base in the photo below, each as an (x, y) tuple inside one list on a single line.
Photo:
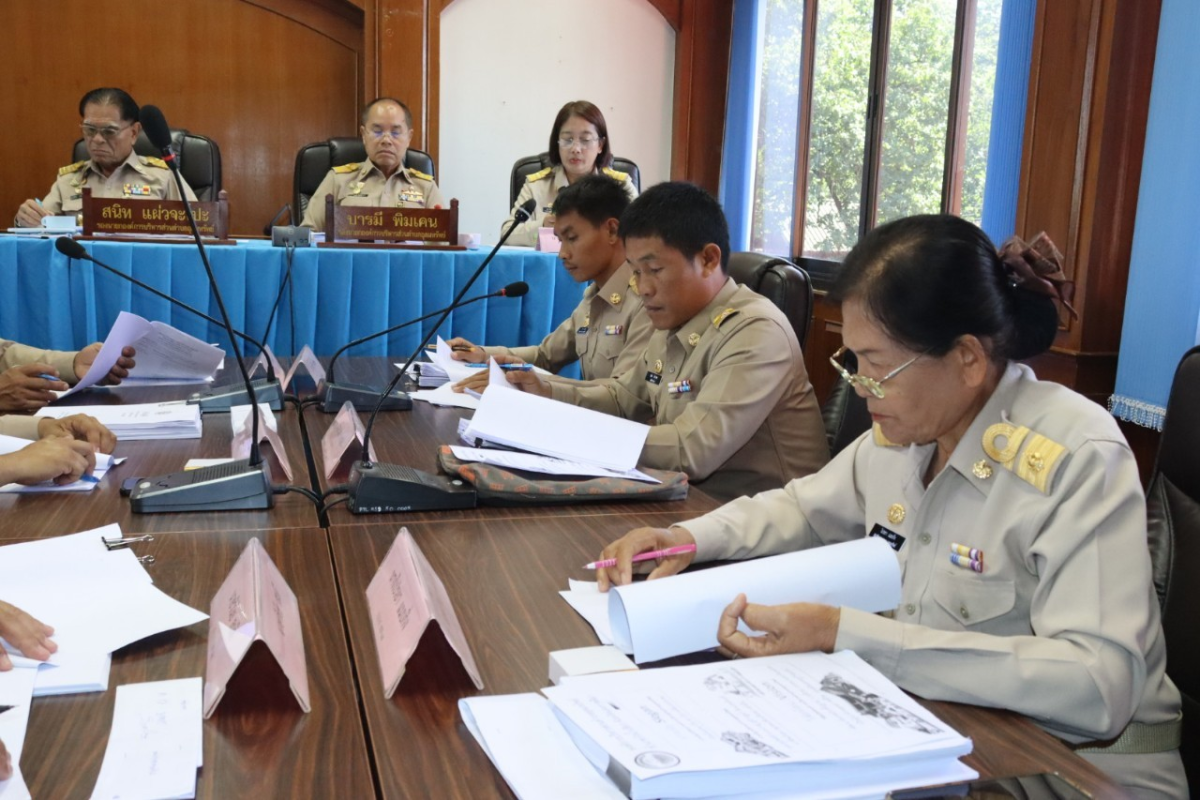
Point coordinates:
[(364, 398), (235, 486), (390, 488), (222, 399)]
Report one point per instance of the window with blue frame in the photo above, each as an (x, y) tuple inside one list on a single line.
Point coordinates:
[(857, 112)]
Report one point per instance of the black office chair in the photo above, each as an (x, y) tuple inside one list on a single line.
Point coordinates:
[(781, 282), (1173, 516), (198, 156), (315, 160), (530, 164)]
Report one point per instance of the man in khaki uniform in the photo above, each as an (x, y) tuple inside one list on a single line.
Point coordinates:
[(382, 180), (543, 186), (609, 329), (722, 380), (22, 385), (110, 127)]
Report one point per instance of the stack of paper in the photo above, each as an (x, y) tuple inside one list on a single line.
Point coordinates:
[(163, 353), (97, 601), (156, 743), (440, 368), (806, 725), (136, 421)]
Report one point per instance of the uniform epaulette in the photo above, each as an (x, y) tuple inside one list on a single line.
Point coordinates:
[(69, 168), (541, 173), (719, 319), (151, 161), (616, 174), (880, 439), (344, 168), (416, 173), (1029, 455)]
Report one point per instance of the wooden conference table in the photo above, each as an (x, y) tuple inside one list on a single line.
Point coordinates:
[(501, 567)]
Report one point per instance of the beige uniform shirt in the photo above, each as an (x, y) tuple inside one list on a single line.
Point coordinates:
[(15, 354), (544, 186), (1063, 623), (744, 421), (606, 333), (136, 177), (363, 184)]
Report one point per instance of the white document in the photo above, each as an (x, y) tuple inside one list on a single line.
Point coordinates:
[(139, 421), (444, 395), (162, 352), (679, 614), (156, 743), (531, 462), (540, 425), (812, 720), (531, 750), (592, 605), (16, 693), (78, 675)]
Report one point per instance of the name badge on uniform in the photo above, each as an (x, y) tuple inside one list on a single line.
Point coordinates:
[(583, 329), (894, 540), (614, 330), (653, 377), (547, 209)]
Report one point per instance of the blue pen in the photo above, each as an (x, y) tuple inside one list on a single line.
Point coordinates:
[(46, 377), (89, 478), (506, 367)]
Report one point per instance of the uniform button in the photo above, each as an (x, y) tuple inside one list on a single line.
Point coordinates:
[(672, 370), (965, 614), (911, 609), (926, 538)]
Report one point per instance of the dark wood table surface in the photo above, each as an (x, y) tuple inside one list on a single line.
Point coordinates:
[(52, 514), (258, 743), (411, 438), (503, 576)]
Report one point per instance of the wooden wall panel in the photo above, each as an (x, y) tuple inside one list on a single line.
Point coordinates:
[(262, 78)]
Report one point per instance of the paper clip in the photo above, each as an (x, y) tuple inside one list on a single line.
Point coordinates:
[(117, 544), (145, 559)]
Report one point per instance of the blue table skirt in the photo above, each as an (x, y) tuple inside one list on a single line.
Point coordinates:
[(339, 295)]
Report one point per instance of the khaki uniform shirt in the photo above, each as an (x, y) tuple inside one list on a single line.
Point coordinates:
[(747, 420), (544, 186), (1063, 623), (363, 184), (606, 333), (136, 177), (15, 354)]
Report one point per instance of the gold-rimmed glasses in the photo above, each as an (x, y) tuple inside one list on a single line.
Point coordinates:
[(872, 385)]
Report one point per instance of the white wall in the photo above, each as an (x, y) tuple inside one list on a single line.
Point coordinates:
[(508, 66)]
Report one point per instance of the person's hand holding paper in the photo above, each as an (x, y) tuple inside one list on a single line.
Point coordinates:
[(29, 635), (117, 373), (478, 382), (82, 427), (57, 459), (29, 387)]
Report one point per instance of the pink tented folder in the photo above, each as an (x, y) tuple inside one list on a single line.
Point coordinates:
[(254, 604), (404, 597)]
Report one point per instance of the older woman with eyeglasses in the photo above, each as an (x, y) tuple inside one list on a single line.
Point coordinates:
[(109, 124), (1014, 507), (578, 147)]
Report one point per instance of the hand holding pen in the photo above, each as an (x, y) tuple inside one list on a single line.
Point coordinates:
[(638, 552)]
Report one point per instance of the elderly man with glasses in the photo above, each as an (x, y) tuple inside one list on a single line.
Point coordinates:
[(382, 180), (110, 127)]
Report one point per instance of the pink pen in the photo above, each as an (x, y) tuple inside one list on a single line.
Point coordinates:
[(670, 551)]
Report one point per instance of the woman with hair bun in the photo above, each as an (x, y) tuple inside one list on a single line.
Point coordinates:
[(578, 147), (1014, 506)]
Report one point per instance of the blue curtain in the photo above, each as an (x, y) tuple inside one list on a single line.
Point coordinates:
[(1008, 119), (737, 157), (1163, 297)]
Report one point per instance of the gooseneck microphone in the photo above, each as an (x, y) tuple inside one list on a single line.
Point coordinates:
[(382, 488), (334, 395), (235, 485), (219, 399)]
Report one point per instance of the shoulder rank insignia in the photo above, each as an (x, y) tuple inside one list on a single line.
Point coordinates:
[(719, 319), (880, 439), (541, 173), (633, 284), (67, 170), (1033, 457), (344, 168), (416, 173), (616, 174), (151, 161)]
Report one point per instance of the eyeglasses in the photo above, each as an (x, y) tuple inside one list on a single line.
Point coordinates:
[(109, 132), (873, 386), (394, 135), (583, 141)]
